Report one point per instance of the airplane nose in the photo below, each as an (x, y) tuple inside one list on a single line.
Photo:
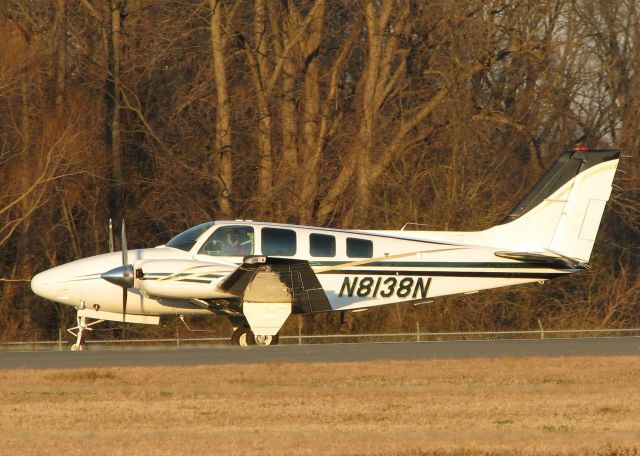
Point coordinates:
[(45, 285), (40, 284)]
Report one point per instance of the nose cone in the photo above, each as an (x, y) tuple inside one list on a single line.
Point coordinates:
[(121, 276), (43, 285), (51, 285)]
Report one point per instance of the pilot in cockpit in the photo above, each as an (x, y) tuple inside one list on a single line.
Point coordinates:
[(238, 242)]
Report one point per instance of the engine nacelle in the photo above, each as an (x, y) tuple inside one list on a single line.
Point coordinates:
[(183, 279)]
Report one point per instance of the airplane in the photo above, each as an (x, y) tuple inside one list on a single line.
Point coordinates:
[(257, 274)]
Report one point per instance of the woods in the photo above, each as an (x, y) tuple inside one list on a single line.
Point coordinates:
[(340, 113)]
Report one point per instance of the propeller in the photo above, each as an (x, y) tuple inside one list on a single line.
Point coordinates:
[(123, 276)]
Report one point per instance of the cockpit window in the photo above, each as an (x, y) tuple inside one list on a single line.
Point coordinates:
[(233, 240), (187, 239)]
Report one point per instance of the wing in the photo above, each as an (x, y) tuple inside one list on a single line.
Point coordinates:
[(277, 280)]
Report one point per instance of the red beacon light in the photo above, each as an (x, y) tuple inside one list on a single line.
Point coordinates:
[(580, 147)]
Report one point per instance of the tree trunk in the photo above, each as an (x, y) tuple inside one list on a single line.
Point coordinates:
[(265, 158), (288, 169), (114, 94), (61, 55), (312, 124), (376, 83), (223, 113), (309, 187)]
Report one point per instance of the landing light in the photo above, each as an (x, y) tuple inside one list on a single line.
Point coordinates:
[(580, 147)]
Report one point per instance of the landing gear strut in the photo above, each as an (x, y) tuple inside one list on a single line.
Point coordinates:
[(83, 326)]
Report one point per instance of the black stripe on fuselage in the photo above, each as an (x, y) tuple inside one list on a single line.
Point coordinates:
[(478, 274), (437, 264), (194, 281)]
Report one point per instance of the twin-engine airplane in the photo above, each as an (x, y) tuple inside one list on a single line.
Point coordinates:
[(257, 274)]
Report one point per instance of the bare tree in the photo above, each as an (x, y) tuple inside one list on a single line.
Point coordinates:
[(340, 113), (117, 9), (223, 142)]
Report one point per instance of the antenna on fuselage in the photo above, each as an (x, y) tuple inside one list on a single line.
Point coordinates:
[(111, 248)]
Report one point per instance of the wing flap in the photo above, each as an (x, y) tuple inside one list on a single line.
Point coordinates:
[(277, 280)]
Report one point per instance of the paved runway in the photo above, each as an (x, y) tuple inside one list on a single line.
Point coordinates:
[(604, 346)]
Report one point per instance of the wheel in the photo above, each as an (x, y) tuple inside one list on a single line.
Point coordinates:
[(77, 347), (263, 340), (267, 340), (247, 338), (243, 336)]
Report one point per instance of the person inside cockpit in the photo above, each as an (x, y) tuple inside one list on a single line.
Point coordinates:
[(230, 241), (238, 242)]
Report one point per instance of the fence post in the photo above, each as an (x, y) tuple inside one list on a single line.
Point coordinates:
[(417, 331), (299, 332), (59, 339), (541, 329), (177, 337)]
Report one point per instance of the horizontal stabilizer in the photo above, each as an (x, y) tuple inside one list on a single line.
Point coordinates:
[(552, 261)]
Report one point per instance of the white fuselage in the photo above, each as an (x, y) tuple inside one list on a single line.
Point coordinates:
[(357, 269)]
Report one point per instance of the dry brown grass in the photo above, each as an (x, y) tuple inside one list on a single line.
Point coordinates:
[(478, 406)]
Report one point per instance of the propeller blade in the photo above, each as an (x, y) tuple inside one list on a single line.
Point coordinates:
[(128, 278), (124, 312), (111, 248), (124, 245), (123, 276)]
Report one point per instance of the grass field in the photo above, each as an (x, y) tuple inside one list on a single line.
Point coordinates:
[(474, 406)]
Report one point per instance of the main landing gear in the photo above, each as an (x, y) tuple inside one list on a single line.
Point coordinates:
[(243, 336)]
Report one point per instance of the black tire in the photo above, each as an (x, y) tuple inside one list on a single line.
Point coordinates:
[(235, 337), (274, 341), (243, 337), (251, 339)]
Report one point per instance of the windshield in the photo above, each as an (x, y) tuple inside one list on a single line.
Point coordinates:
[(187, 239)]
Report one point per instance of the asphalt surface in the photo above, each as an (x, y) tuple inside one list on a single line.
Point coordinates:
[(602, 346)]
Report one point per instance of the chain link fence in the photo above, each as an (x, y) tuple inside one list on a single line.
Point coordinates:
[(302, 339), (461, 336)]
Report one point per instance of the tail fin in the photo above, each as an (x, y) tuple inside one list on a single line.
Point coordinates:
[(562, 212)]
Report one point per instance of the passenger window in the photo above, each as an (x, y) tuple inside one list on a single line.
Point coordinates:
[(229, 241), (276, 241), (359, 248), (322, 245)]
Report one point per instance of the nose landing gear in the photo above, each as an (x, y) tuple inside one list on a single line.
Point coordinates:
[(78, 331)]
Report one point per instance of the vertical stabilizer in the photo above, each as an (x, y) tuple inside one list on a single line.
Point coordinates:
[(562, 212)]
